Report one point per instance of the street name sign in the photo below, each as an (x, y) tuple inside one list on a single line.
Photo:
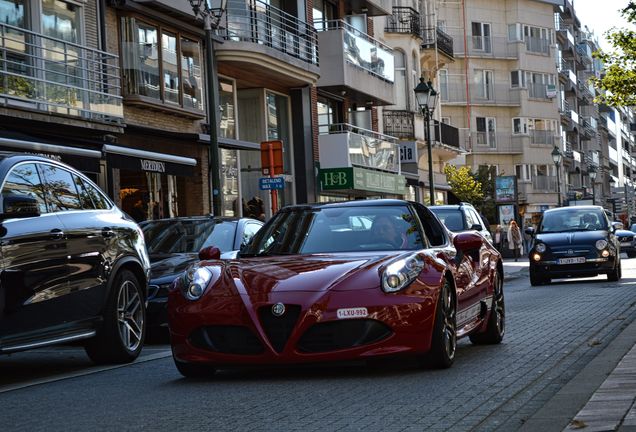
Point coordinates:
[(269, 183)]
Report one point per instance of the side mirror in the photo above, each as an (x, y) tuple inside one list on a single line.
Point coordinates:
[(467, 241), (210, 253), (19, 206), (617, 226), (530, 231), (477, 227)]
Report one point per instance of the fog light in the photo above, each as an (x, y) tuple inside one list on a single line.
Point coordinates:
[(605, 253), (536, 257)]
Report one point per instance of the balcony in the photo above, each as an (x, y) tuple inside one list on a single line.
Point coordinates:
[(586, 93), (265, 41), (407, 125), (487, 47), (368, 7), (404, 20), (446, 134), (544, 183), (544, 137), (347, 146), (563, 32), (497, 143), (437, 37), (480, 94), (588, 131), (355, 63), (57, 77), (585, 53)]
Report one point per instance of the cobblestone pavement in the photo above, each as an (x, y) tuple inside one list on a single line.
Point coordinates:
[(553, 331)]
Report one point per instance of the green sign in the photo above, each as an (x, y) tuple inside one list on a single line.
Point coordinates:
[(362, 179), (336, 178)]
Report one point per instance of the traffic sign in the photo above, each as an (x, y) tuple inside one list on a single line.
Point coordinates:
[(269, 183)]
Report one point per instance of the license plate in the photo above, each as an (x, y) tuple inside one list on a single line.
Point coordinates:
[(577, 260), (626, 243)]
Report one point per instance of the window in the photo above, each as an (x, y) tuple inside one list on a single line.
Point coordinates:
[(481, 36), (327, 114), (61, 193), (537, 39), (445, 120), (249, 231), (515, 32), (323, 13), (523, 172), (24, 179), (145, 56), (443, 84), (517, 79), (519, 126), (227, 124), (486, 128), (90, 197), (401, 100), (484, 80)]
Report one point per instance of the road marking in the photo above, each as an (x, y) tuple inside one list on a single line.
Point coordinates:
[(83, 372)]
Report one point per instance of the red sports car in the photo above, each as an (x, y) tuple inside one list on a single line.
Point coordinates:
[(339, 281)]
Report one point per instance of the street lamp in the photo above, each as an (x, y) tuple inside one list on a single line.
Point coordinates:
[(211, 11), (557, 156), (592, 171), (426, 97)]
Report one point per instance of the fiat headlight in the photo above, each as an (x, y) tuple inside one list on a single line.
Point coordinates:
[(399, 274), (540, 247), (196, 280), (601, 244)]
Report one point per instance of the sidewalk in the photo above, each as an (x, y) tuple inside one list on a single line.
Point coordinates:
[(515, 269)]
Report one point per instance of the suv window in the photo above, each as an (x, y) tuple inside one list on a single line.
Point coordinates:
[(477, 218), (61, 193), (24, 179), (249, 231), (470, 218), (90, 196)]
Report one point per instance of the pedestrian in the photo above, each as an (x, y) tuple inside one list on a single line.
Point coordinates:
[(514, 239), (498, 238)]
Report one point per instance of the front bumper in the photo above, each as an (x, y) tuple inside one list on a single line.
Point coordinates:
[(241, 330), (591, 267)]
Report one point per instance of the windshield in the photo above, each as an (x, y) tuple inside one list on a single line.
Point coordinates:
[(573, 219), (188, 236), (452, 218), (337, 229)]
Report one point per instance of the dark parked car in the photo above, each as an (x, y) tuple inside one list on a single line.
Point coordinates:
[(173, 244), (336, 282), (74, 266), (626, 240), (574, 242), (462, 217)]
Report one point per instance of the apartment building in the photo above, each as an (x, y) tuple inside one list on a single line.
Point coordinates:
[(501, 91), (421, 49)]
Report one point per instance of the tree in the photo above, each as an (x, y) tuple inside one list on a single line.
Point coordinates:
[(619, 75), (486, 175), (463, 184)]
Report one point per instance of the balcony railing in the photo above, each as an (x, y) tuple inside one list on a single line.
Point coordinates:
[(446, 134), (444, 41), (493, 142), (544, 183), (400, 124), (585, 52), (544, 137), (363, 51), (347, 145), (257, 22), (404, 20), (487, 46), (48, 74), (482, 94)]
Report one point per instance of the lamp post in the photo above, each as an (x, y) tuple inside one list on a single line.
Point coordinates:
[(557, 156), (211, 11), (592, 171), (426, 97)]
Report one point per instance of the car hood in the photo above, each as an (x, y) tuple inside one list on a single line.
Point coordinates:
[(306, 273), (170, 264), (624, 233), (571, 237)]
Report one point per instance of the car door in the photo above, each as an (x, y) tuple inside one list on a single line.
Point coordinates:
[(89, 232), (34, 281)]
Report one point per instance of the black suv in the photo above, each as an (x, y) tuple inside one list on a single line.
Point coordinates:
[(74, 267), (462, 217)]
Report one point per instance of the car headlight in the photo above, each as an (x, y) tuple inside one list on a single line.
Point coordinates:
[(399, 274), (540, 247), (601, 244), (196, 280)]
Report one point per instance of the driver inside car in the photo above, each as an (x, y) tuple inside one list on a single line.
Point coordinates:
[(589, 222), (385, 230)]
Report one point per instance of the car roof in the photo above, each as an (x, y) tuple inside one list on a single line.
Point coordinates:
[(586, 207), (354, 203), (450, 206), (196, 218)]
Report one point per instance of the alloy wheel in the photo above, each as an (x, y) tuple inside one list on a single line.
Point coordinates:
[(130, 315), (449, 333)]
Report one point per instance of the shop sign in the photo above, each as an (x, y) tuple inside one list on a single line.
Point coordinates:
[(336, 178), (151, 165), (408, 152), (506, 189), (377, 181)]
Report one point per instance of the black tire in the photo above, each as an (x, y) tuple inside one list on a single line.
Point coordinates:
[(444, 338), (121, 336), (535, 279), (496, 327), (194, 370), (616, 274)]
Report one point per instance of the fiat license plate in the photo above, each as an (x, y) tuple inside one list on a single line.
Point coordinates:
[(626, 243), (576, 260)]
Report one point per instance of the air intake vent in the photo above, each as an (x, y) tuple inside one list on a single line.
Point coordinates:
[(279, 328)]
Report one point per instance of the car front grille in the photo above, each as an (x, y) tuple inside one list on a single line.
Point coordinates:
[(226, 339), (279, 328), (337, 335)]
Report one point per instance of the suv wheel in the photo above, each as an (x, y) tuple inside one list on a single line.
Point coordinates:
[(121, 337)]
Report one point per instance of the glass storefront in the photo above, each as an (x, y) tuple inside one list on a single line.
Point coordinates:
[(149, 195)]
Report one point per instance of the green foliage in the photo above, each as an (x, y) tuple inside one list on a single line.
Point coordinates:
[(486, 175), (463, 184), (619, 79)]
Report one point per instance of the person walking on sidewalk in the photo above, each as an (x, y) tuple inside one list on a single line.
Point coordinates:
[(514, 239), (498, 238)]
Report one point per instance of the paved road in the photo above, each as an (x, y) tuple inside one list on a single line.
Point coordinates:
[(553, 332)]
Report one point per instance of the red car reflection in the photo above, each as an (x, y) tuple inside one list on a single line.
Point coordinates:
[(339, 281)]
